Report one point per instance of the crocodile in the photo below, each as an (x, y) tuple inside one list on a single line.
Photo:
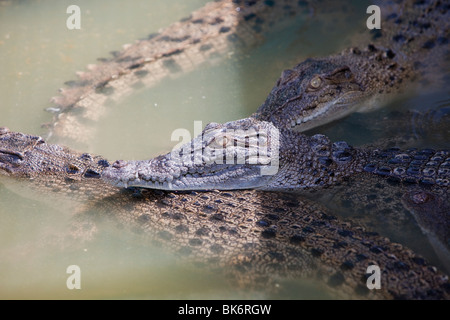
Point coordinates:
[(253, 237), (410, 49), (313, 93)]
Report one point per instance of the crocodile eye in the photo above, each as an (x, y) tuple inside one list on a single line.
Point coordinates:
[(221, 141), (316, 82)]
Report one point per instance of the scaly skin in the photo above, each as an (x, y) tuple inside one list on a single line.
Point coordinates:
[(240, 155), (255, 237)]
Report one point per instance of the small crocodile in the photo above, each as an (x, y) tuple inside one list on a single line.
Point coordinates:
[(254, 237)]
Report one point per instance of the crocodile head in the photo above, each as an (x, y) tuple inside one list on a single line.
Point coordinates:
[(235, 155), (314, 92)]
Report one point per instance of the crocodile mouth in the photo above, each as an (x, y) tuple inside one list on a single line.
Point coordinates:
[(156, 176), (329, 111)]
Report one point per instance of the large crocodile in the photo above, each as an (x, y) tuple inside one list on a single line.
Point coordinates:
[(256, 238), (411, 46)]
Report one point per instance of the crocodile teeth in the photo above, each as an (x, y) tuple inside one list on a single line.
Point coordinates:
[(122, 184)]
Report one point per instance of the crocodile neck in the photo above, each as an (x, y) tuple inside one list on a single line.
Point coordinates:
[(280, 237)]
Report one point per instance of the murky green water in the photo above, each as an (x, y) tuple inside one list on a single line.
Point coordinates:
[(38, 54)]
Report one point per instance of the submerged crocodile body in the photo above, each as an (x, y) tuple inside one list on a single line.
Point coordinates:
[(411, 46), (254, 237)]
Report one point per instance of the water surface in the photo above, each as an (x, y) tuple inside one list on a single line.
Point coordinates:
[(38, 54)]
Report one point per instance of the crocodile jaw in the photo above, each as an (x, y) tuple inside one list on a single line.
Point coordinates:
[(156, 174)]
